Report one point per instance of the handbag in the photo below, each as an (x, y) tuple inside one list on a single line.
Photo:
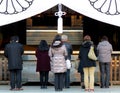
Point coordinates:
[(91, 54), (68, 64)]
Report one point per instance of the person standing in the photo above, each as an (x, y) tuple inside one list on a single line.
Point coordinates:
[(57, 55), (43, 63), (14, 51), (80, 70), (87, 64), (104, 49), (69, 50)]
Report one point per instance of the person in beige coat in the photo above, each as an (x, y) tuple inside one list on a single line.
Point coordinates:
[(57, 53)]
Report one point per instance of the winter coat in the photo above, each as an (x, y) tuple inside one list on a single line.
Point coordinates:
[(83, 56), (104, 49), (69, 49), (57, 55), (43, 61), (13, 51)]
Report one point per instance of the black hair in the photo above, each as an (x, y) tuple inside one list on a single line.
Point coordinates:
[(14, 38), (43, 46), (56, 39)]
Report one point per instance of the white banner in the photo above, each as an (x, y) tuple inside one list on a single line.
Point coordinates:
[(107, 11)]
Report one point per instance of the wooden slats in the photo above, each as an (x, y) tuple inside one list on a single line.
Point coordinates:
[(4, 74), (33, 38), (115, 70)]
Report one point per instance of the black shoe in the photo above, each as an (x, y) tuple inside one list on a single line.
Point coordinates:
[(106, 86), (56, 89), (12, 89), (60, 89), (83, 87), (102, 87), (67, 87), (45, 87), (42, 87)]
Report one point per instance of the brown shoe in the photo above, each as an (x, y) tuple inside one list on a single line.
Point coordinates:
[(18, 89), (91, 90), (86, 90)]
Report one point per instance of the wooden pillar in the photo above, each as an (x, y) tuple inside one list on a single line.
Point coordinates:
[(0, 69), (5, 68)]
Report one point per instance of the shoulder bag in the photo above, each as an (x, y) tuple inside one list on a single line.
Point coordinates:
[(68, 64), (91, 54)]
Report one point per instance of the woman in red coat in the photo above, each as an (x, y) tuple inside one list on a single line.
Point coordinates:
[(43, 63)]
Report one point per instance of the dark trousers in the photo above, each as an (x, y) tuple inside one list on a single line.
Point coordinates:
[(67, 78), (15, 78), (44, 77), (104, 74), (82, 77), (59, 79)]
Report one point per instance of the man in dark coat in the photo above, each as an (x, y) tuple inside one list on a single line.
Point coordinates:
[(13, 51)]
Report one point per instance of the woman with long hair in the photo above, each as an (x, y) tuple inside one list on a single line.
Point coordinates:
[(43, 63)]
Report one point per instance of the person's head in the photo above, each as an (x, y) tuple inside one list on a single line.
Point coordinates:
[(57, 41), (64, 38), (57, 37), (104, 38), (43, 46), (87, 38), (14, 39)]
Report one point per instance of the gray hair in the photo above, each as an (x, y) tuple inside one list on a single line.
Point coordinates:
[(64, 37)]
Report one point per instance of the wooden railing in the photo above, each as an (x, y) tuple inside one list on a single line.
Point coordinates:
[(4, 73), (114, 69)]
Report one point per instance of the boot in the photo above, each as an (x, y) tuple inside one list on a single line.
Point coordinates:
[(82, 85)]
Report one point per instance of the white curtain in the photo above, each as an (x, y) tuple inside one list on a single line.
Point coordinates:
[(103, 10)]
